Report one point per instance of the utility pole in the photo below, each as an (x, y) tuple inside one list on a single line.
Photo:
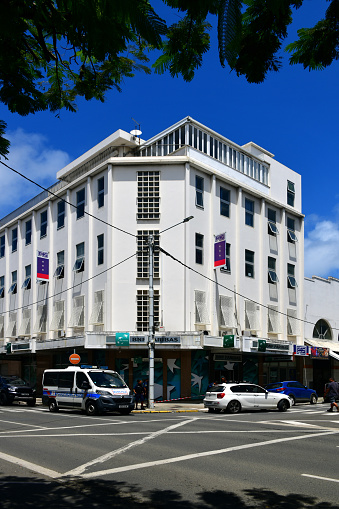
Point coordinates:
[(151, 338), (151, 327)]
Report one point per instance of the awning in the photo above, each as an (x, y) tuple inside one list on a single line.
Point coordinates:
[(321, 343)]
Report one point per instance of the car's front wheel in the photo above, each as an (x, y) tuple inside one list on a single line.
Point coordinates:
[(283, 405), (313, 399), (233, 407), (3, 399)]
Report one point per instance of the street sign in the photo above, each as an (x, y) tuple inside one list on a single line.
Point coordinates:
[(220, 250), (261, 345), (74, 358)]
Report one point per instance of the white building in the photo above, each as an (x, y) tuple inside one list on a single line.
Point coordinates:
[(95, 223)]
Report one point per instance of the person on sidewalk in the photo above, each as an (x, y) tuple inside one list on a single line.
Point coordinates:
[(139, 391), (332, 391)]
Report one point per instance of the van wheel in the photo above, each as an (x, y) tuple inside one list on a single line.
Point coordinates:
[(91, 408), (52, 405)]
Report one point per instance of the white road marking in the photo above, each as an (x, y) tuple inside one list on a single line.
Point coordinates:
[(321, 478), (196, 455), (22, 424), (30, 466), (202, 432), (101, 459), (299, 423)]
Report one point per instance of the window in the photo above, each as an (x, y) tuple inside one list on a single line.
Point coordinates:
[(291, 236), (292, 322), (79, 264), (199, 191), (78, 312), (2, 287), (60, 268), (61, 207), (13, 287), (2, 246), (27, 282), (28, 232), (227, 267), (201, 311), (100, 242), (14, 240), (142, 253), (58, 320), (224, 202), (272, 227), (249, 263), (290, 193), (226, 311), (291, 281), (273, 318), (322, 330), (199, 248), (249, 212), (148, 195), (101, 192), (43, 224), (143, 307), (97, 316), (272, 274), (80, 203)]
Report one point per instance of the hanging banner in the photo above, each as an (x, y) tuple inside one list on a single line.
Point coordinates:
[(42, 266), (220, 250)]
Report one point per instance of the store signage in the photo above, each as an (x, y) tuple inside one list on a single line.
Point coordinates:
[(319, 353), (228, 341), (220, 250), (301, 350), (42, 266), (122, 338), (261, 345), (163, 340)]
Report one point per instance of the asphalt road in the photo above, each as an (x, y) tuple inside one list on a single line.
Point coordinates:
[(173, 460)]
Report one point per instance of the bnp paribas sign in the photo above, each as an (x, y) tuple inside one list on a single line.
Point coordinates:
[(228, 341)]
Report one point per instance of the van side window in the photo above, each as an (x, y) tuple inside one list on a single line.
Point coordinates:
[(81, 377), (51, 378), (66, 380)]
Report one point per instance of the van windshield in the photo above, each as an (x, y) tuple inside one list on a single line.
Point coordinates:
[(104, 379)]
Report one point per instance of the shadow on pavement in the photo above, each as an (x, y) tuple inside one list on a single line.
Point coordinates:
[(21, 492)]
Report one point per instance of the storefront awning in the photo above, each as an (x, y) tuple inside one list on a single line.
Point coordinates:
[(322, 343)]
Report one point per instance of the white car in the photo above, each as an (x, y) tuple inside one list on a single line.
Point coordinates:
[(233, 397)]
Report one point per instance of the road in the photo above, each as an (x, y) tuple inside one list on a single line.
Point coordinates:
[(172, 460)]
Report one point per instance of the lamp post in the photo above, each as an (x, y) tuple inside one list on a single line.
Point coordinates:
[(151, 335)]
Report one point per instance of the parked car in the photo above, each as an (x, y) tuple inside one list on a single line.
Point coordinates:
[(234, 397), (296, 391), (14, 388)]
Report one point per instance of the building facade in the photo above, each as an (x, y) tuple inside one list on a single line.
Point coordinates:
[(94, 228)]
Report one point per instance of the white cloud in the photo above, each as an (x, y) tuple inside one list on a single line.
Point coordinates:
[(32, 155), (322, 249)]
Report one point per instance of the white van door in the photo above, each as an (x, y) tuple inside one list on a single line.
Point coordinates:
[(65, 395), (79, 393)]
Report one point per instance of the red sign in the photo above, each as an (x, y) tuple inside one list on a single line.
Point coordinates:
[(74, 358)]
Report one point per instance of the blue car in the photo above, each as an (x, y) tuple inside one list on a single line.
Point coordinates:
[(297, 392)]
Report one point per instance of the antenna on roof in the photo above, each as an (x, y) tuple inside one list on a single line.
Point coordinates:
[(136, 132)]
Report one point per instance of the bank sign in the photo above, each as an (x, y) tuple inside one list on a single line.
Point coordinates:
[(220, 250), (125, 339), (42, 266)]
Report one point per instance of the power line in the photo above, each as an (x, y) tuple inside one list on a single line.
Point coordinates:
[(65, 201), (234, 291), (71, 287)]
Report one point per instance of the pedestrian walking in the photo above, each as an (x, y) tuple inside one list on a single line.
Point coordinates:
[(139, 392), (332, 391)]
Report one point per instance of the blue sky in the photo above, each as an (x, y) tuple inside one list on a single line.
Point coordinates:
[(293, 114)]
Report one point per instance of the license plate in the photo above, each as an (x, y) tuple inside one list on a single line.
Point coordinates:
[(123, 406), (24, 394), (208, 403)]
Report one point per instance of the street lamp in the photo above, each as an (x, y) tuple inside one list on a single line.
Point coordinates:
[(151, 335)]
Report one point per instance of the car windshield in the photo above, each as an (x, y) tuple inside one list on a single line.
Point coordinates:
[(104, 379), (14, 380)]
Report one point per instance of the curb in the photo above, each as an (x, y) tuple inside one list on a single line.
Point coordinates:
[(163, 411)]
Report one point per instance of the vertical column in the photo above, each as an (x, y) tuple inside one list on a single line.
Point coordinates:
[(109, 317), (69, 260)]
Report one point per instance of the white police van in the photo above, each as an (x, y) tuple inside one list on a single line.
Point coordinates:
[(90, 389)]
